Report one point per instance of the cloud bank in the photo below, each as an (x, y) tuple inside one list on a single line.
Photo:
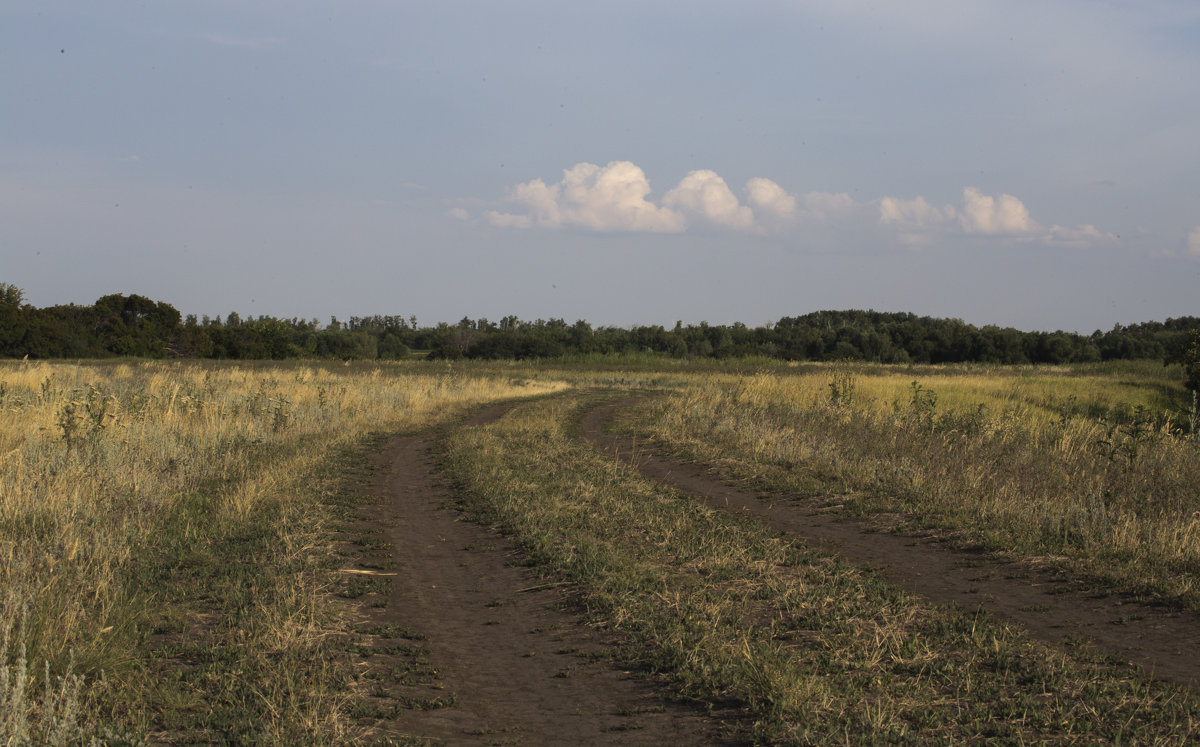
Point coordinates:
[(617, 197), (609, 198), (1005, 216)]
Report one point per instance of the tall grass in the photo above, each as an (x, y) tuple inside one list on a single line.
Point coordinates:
[(129, 492), (1084, 470)]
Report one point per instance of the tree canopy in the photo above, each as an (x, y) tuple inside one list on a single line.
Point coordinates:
[(133, 325)]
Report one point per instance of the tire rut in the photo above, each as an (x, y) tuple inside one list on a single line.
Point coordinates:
[(1164, 643), (505, 664)]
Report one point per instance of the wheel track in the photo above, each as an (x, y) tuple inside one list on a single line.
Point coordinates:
[(515, 666), (1164, 643)]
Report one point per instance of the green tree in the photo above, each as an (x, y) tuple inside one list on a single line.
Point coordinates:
[(1191, 361), (392, 347), (135, 325), (12, 319)]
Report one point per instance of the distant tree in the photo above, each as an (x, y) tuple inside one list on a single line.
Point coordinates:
[(11, 295), (1191, 361), (12, 319), (391, 347), (135, 325)]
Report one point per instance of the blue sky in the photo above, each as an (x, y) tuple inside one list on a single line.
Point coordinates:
[(1027, 164)]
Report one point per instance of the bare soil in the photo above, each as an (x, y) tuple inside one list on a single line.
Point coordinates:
[(469, 647), (1164, 643)]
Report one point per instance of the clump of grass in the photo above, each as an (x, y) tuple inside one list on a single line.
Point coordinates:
[(814, 650), (49, 711)]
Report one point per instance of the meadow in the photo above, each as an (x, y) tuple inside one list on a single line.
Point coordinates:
[(164, 550), (1093, 470), (169, 568)]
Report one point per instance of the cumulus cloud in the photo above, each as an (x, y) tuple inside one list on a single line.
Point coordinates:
[(916, 213), (459, 213), (1085, 235), (616, 198), (1193, 243), (1004, 215), (769, 198), (918, 222), (915, 220), (826, 206), (608, 198), (704, 194)]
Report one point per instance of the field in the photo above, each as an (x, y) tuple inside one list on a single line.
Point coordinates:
[(206, 552)]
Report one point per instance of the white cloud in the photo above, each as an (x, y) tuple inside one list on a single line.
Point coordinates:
[(1193, 243), (508, 220), (916, 220), (616, 197), (915, 213), (459, 213), (826, 206), (995, 216), (768, 197), (609, 198), (1085, 235), (778, 208), (704, 194)]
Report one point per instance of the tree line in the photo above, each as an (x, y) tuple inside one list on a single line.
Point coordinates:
[(132, 325)]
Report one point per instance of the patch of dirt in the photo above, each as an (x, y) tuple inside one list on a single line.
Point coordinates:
[(1165, 644), (472, 648)]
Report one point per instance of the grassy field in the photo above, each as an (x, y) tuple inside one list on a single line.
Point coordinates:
[(167, 564), (1090, 470), (164, 551), (815, 650)]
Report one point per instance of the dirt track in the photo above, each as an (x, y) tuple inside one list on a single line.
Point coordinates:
[(1164, 643), (513, 666), (500, 660)]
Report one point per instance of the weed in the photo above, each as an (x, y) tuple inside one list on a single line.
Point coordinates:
[(282, 414), (841, 390), (1124, 441), (69, 423), (922, 406)]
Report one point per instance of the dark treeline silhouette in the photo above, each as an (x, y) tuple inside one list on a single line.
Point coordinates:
[(119, 325)]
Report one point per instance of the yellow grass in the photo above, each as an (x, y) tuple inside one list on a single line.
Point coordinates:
[(1084, 468), (95, 458)]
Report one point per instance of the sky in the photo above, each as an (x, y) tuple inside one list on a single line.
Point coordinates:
[(1019, 163)]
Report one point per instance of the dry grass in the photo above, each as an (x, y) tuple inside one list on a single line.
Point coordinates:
[(1088, 470), (113, 478), (814, 651)]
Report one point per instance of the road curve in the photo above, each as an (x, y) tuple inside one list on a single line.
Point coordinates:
[(1164, 643)]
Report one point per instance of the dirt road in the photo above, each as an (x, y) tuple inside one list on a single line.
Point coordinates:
[(1164, 643), (471, 647), (497, 660)]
